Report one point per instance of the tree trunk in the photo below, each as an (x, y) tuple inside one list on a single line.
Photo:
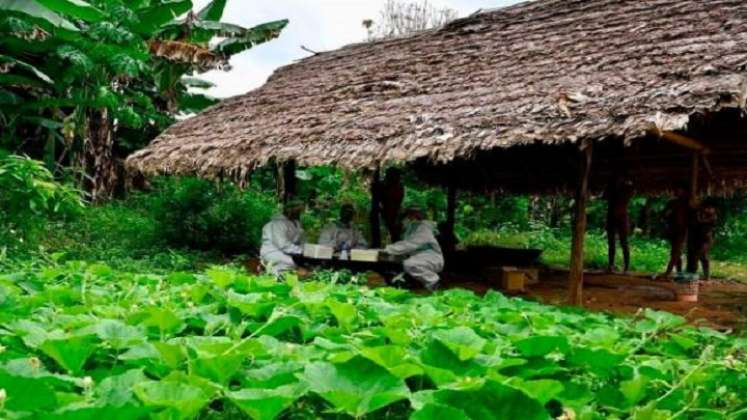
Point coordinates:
[(576, 272), (100, 169)]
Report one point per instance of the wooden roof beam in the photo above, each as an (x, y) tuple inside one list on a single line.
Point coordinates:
[(680, 140)]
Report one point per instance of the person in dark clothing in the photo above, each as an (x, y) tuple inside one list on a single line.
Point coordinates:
[(618, 194), (700, 238), (392, 196), (677, 214)]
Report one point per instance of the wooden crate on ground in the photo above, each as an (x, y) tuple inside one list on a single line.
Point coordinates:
[(511, 279)]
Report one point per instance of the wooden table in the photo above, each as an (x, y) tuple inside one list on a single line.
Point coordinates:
[(386, 267)]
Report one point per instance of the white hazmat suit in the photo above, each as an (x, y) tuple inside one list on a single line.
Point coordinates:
[(424, 257), (281, 238), (336, 234)]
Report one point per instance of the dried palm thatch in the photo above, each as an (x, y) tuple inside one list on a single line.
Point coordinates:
[(550, 72)]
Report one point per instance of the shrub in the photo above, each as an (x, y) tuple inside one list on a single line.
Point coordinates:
[(197, 214), (30, 198)]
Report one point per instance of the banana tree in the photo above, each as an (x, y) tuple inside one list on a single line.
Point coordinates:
[(186, 47), (121, 71)]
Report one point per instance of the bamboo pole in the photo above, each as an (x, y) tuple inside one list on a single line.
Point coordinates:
[(680, 139), (576, 272)]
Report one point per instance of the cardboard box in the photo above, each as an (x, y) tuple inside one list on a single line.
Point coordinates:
[(319, 252), (513, 279), (365, 255)]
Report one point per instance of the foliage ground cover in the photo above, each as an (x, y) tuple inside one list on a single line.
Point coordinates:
[(85, 341)]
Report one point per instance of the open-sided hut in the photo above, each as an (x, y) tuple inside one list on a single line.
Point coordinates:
[(550, 95)]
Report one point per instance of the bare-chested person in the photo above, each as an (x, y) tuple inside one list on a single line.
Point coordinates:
[(618, 194), (700, 238), (392, 195), (677, 215)]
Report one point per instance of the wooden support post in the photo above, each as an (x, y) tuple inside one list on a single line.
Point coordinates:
[(375, 213), (694, 174), (451, 207), (576, 272), (286, 181)]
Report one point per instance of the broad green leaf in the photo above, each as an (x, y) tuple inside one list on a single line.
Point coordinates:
[(491, 401), (254, 305), (281, 325), (4, 59), (27, 368), (273, 375), (27, 394), (221, 276), (74, 8), (664, 320), (179, 278), (394, 358), (213, 11), (356, 387), (267, 404), (463, 341), (345, 313), (172, 354), (195, 102), (685, 342), (443, 366), (215, 358), (634, 389), (650, 412), (34, 9), (194, 82), (165, 320), (543, 390), (432, 411), (184, 398), (219, 368), (539, 346), (602, 336), (600, 361), (99, 412), (118, 334), (70, 353), (254, 36), (153, 17), (116, 391)]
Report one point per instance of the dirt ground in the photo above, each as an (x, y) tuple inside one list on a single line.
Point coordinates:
[(721, 304)]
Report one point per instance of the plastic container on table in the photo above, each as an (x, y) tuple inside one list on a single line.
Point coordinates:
[(345, 252)]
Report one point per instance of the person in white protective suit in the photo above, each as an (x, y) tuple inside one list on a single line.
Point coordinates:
[(343, 234), (282, 238), (423, 257)]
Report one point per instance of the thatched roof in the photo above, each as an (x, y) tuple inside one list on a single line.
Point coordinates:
[(549, 72)]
